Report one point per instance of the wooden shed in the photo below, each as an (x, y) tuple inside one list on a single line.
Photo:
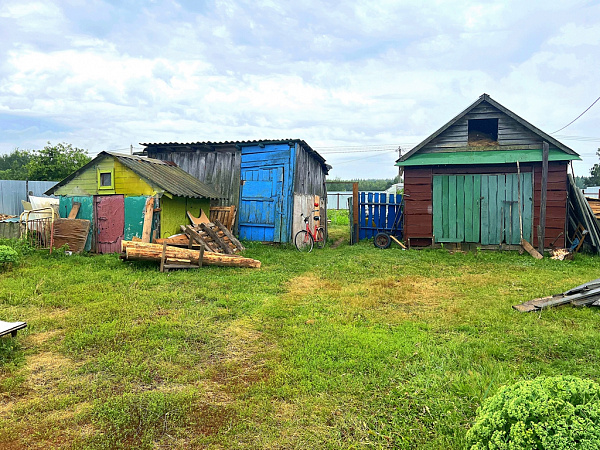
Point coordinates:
[(271, 182), (461, 183), (118, 193)]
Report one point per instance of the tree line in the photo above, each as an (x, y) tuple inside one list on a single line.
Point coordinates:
[(371, 184), (593, 179), (52, 163)]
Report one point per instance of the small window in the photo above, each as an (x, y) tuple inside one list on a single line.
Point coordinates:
[(483, 132), (106, 180)]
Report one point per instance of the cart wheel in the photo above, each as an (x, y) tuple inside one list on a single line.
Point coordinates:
[(382, 240)]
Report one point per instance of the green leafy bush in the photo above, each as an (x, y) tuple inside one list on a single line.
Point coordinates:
[(560, 412), (8, 256)]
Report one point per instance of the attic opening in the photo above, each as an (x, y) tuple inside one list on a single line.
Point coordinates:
[(483, 132)]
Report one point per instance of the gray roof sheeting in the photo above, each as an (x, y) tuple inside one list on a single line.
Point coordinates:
[(162, 174)]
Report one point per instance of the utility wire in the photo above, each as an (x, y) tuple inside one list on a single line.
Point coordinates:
[(588, 108)]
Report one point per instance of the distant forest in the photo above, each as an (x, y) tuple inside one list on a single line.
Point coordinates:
[(363, 185)]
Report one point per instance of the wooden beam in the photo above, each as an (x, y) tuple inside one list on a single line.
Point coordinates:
[(74, 210), (231, 237), (148, 215), (542, 225)]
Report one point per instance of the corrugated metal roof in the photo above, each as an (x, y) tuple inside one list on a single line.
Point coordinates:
[(209, 144), (163, 174)]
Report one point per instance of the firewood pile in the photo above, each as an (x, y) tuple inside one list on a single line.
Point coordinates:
[(6, 216)]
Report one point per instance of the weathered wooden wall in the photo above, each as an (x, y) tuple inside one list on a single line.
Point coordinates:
[(510, 132), (418, 206), (310, 176), (418, 188), (219, 168)]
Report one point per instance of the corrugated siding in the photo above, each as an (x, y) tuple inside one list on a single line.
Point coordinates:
[(220, 169), (13, 191)]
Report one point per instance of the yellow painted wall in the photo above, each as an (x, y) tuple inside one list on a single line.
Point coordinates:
[(173, 213), (126, 181)]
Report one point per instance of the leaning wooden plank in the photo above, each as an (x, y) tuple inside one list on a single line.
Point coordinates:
[(231, 237), (153, 252), (215, 237), (11, 327), (398, 242), (74, 210), (148, 214), (529, 249)]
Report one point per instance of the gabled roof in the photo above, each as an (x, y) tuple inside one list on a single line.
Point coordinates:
[(209, 146), (162, 174), (509, 113)]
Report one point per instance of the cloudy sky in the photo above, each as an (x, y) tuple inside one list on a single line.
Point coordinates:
[(355, 79)]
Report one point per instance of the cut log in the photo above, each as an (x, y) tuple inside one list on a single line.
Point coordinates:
[(153, 252)]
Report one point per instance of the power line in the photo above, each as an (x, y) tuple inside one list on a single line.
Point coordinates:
[(595, 101)]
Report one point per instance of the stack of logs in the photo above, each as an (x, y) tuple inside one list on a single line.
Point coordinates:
[(175, 257)]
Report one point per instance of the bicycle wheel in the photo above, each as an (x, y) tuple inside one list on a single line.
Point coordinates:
[(303, 241), (320, 240)]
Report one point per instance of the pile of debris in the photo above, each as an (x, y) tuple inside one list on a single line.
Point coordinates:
[(6, 216), (587, 294)]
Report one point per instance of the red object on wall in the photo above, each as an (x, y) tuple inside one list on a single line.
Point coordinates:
[(110, 222)]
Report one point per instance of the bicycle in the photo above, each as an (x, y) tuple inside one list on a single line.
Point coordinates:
[(306, 239)]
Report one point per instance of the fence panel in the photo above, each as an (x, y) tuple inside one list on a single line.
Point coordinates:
[(13, 191), (380, 212)]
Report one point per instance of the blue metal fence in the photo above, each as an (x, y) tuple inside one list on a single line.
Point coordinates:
[(13, 191)]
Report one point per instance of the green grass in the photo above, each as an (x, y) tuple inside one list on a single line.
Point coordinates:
[(352, 347)]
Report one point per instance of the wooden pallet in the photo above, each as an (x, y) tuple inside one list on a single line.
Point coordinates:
[(213, 237)]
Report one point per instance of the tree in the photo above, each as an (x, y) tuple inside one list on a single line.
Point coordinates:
[(14, 165), (52, 163), (594, 179)]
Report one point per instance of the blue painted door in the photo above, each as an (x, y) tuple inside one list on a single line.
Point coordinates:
[(265, 194)]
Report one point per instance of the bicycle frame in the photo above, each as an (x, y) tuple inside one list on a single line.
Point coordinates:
[(313, 233)]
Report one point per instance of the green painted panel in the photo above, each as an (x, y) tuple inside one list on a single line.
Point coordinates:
[(460, 208), (86, 211), (494, 211), (173, 213), (452, 207), (485, 213), (437, 207), (514, 224), (476, 207), (445, 228), (485, 157), (469, 209), (502, 206), (134, 216), (509, 209)]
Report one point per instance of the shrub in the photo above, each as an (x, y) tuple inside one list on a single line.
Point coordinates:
[(8, 256), (560, 412)]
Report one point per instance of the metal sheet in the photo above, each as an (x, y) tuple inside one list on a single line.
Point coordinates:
[(110, 222)]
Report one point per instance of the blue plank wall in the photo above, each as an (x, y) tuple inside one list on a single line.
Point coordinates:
[(266, 192)]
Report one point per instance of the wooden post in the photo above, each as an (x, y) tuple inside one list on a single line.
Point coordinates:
[(542, 226), (355, 211), (148, 215)]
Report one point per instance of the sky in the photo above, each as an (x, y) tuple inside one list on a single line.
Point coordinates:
[(357, 80)]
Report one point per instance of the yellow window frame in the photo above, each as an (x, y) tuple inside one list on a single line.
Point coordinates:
[(112, 179)]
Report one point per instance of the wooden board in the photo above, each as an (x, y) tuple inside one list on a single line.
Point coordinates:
[(148, 215), (70, 232)]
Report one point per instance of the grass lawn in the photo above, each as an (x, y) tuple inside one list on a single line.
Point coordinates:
[(352, 347)]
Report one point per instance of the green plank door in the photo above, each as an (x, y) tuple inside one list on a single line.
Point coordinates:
[(456, 208)]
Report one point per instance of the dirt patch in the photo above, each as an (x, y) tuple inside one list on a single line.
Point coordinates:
[(38, 339), (337, 243), (209, 419), (47, 369)]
